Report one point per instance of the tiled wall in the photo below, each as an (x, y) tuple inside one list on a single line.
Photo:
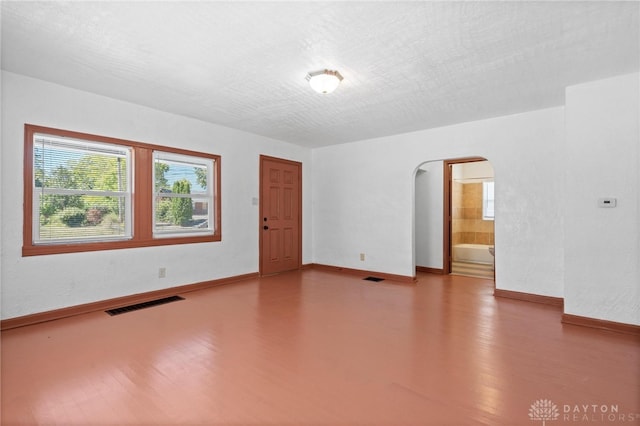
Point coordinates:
[(468, 226)]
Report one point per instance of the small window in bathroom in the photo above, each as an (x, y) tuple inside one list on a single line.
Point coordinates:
[(487, 201)]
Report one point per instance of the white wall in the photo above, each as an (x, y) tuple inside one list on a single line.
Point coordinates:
[(428, 217), (364, 197), (41, 283), (602, 246), (550, 238)]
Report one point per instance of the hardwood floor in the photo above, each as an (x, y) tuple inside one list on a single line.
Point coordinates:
[(322, 348)]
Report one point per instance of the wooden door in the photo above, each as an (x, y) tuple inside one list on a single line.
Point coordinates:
[(280, 215), (446, 242)]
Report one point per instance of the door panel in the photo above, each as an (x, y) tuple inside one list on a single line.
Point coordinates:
[(287, 205), (273, 239), (289, 245), (280, 215), (273, 211)]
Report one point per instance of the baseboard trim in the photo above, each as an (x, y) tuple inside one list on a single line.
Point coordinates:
[(365, 273), (117, 302), (618, 327), (430, 270), (528, 297)]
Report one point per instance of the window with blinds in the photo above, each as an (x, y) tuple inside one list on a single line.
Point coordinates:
[(86, 192), (81, 191)]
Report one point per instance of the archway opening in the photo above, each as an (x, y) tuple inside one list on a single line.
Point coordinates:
[(454, 217)]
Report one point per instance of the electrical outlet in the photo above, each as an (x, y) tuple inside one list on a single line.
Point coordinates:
[(162, 272), (362, 257)]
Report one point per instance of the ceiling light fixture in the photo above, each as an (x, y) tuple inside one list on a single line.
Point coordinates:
[(324, 81)]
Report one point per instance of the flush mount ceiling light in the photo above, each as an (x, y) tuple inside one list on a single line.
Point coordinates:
[(324, 81)]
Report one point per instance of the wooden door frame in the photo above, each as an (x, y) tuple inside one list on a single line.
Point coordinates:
[(447, 182), (297, 164)]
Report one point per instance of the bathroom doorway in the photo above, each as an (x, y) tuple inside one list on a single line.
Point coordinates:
[(469, 238)]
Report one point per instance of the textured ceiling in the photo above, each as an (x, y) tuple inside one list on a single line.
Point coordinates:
[(406, 65)]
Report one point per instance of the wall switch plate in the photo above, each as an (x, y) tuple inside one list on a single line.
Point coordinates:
[(162, 272), (362, 257), (607, 202)]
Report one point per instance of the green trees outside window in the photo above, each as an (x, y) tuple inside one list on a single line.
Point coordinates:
[(181, 208), (87, 192), (182, 193), (81, 189)]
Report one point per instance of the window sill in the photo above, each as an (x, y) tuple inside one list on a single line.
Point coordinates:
[(38, 250)]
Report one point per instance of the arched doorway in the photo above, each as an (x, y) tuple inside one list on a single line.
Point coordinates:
[(453, 217)]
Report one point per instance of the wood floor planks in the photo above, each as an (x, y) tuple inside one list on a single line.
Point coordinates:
[(320, 348)]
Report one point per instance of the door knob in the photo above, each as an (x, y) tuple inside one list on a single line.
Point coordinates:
[(265, 227)]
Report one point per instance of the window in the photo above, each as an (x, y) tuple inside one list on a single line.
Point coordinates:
[(82, 191), (85, 192), (487, 201), (183, 194)]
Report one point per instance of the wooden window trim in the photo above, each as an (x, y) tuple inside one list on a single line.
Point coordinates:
[(142, 197)]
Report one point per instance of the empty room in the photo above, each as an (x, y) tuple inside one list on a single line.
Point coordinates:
[(320, 213)]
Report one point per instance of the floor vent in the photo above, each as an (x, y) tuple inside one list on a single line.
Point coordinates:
[(374, 279), (143, 305)]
